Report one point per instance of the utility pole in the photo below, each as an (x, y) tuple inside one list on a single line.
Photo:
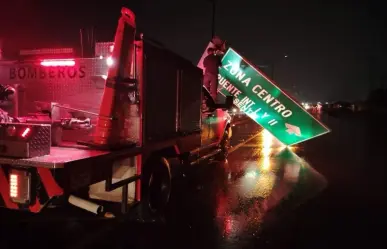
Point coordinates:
[(213, 2), (1, 49), (81, 38), (213, 17)]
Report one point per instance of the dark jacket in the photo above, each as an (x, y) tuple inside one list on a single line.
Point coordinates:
[(211, 64)]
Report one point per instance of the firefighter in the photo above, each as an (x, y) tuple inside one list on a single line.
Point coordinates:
[(211, 64), (6, 93)]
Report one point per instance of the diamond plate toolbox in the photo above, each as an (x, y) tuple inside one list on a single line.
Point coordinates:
[(21, 140)]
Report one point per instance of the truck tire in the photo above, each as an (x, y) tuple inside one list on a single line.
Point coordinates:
[(155, 186), (225, 144)]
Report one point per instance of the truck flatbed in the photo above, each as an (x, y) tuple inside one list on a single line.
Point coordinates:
[(59, 157)]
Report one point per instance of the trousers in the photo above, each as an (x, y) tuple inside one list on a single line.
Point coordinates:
[(211, 83)]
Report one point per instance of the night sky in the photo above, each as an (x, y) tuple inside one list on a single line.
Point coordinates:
[(335, 51)]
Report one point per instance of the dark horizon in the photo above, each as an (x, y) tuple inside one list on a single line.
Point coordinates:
[(335, 51)]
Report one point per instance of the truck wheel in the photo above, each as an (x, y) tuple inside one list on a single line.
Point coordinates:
[(225, 144), (156, 186)]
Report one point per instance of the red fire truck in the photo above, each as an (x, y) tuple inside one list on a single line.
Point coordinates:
[(82, 130)]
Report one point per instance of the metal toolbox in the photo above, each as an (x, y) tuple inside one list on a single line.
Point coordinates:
[(23, 140)]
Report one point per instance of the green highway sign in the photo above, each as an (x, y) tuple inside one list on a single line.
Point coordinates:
[(266, 103)]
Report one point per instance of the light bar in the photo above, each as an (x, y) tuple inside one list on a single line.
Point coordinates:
[(58, 63), (47, 51)]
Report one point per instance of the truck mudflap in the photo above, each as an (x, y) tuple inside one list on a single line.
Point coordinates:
[(27, 189)]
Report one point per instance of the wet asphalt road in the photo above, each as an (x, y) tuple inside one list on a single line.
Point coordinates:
[(325, 193)]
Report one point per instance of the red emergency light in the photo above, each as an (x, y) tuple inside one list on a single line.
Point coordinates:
[(58, 63), (13, 185), (26, 132), (20, 186)]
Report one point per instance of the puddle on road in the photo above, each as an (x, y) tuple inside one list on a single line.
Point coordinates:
[(232, 202), (243, 131), (265, 179)]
